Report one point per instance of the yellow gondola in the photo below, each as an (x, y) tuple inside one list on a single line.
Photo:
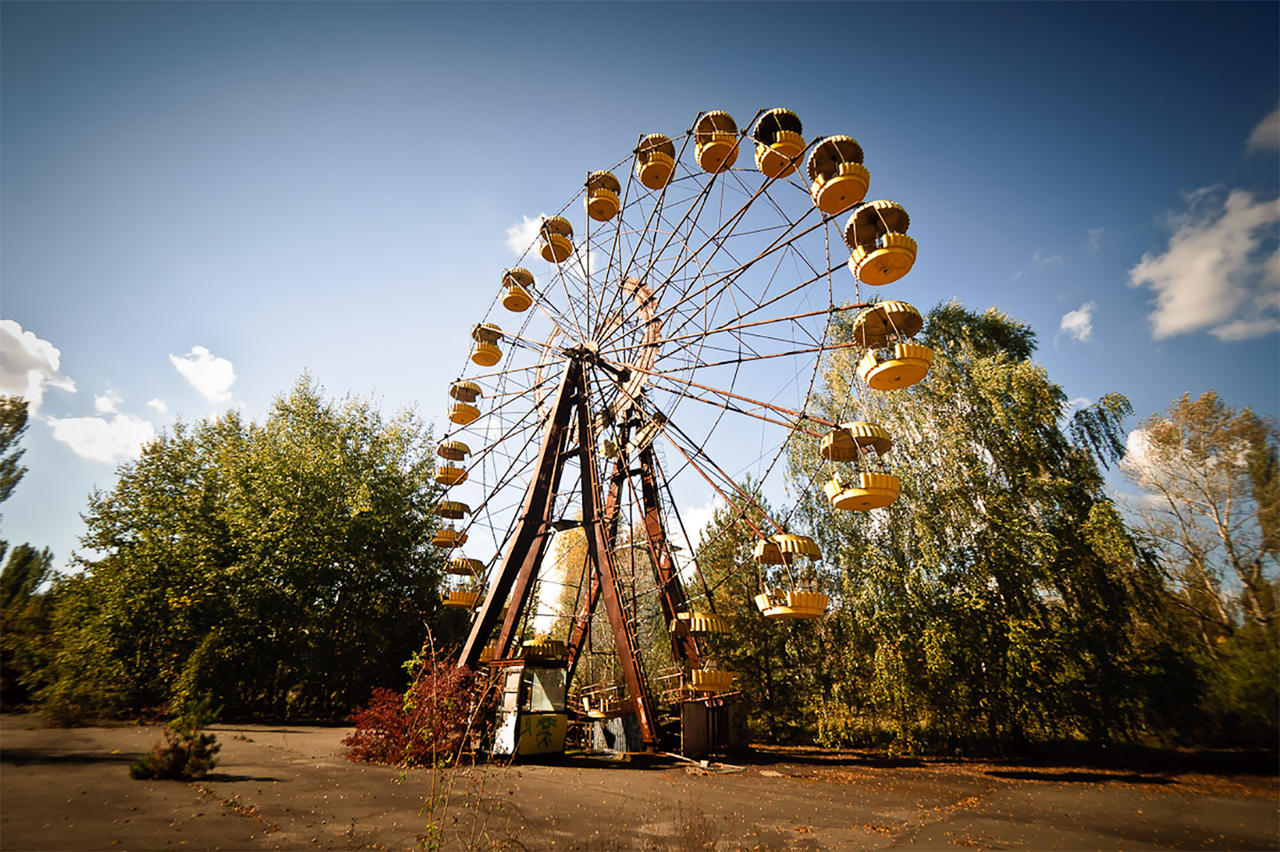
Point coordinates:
[(542, 648), (485, 351), (838, 180), (655, 160), (715, 141), (792, 603), (447, 474), (779, 143), (449, 537), (870, 490), (452, 509), (885, 322), (462, 566), (699, 622), (452, 450), (877, 235), (784, 548), (515, 292), (850, 441), (709, 680), (460, 598), (602, 200), (556, 239), (899, 367)]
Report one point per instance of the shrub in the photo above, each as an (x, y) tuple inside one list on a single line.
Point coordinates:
[(425, 725), (186, 752)]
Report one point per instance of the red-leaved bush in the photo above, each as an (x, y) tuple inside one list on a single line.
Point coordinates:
[(424, 726)]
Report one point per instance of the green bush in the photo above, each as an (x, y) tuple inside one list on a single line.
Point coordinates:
[(186, 753)]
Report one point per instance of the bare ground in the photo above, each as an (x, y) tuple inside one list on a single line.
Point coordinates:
[(290, 788)]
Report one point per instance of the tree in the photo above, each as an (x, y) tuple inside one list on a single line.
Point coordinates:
[(1211, 504), (282, 568), (13, 423), (1001, 597)]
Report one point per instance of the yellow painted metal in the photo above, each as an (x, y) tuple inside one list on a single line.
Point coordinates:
[(710, 680), (541, 648), (785, 548), (875, 326), (541, 733), (907, 364), (655, 160), (452, 509), (779, 142), (462, 413), (487, 652), (556, 236), (850, 440), (449, 537), (516, 299), (838, 180), (891, 257), (447, 474), (602, 196), (464, 391), (700, 622), (779, 159), (463, 566), (485, 354), (452, 450), (872, 220), (842, 190), (460, 599), (715, 141), (868, 491), (486, 332), (792, 604)]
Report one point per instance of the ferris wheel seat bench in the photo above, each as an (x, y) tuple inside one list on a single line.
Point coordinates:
[(699, 622), (868, 491), (792, 604), (710, 680), (777, 160), (463, 413), (906, 364), (460, 599), (889, 258), (449, 537), (447, 474)]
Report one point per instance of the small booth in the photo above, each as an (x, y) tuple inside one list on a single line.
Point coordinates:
[(531, 707)]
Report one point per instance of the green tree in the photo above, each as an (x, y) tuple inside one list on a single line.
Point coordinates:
[(1001, 598), (1210, 484), (13, 423), (283, 568)]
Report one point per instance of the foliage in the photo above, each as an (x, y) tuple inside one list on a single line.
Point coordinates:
[(282, 568), (186, 753), (13, 423), (1001, 598), (777, 663), (426, 725), (1210, 484)]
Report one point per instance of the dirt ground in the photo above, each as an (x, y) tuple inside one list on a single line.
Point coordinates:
[(290, 788)]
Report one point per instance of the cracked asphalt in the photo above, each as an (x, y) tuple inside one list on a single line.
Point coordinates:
[(289, 787)]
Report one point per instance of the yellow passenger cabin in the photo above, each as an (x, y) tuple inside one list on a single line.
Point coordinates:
[(715, 141), (602, 199), (655, 160), (838, 180), (515, 289), (877, 234), (485, 351), (555, 239), (779, 143)]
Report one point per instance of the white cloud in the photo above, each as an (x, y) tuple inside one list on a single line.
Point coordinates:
[(29, 364), (207, 373), (107, 403), (1266, 136), (158, 405), (1215, 273), (697, 518), (521, 236), (1038, 259), (102, 440), (1095, 238), (1078, 324)]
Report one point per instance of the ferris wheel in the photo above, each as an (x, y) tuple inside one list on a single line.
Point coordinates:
[(657, 344)]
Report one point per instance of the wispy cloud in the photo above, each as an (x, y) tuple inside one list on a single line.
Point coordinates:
[(28, 365), (521, 236), (1215, 273), (1266, 135), (158, 405), (207, 373), (1095, 239), (1078, 324), (1039, 260), (107, 403)]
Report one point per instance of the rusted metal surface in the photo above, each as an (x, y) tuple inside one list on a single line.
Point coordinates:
[(671, 595)]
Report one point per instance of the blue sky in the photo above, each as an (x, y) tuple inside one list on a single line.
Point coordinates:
[(201, 201)]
